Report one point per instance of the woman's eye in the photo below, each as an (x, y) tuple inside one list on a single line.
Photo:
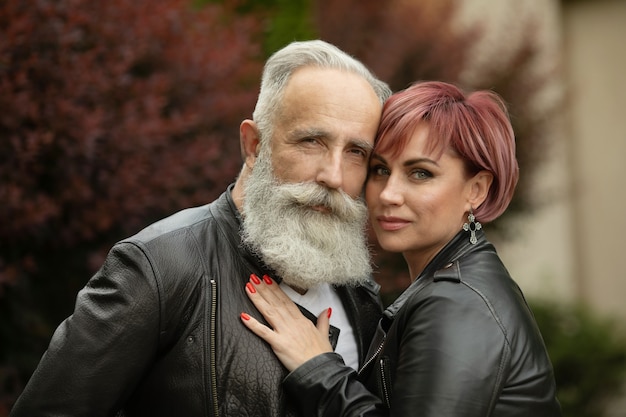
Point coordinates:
[(421, 174), (379, 170)]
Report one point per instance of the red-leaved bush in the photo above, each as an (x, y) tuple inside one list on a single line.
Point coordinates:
[(114, 110), (112, 113)]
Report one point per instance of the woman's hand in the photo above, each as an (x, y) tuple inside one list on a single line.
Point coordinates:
[(293, 337)]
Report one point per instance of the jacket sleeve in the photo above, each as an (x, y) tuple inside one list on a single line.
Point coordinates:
[(451, 358), (325, 386), (97, 355), (453, 355)]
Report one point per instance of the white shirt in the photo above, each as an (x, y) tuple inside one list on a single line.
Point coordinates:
[(316, 300)]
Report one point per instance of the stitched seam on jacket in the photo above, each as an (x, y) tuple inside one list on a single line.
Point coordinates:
[(506, 353), (155, 273)]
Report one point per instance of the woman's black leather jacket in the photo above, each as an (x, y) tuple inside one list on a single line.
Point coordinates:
[(460, 341)]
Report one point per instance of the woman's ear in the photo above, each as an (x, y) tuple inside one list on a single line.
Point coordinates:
[(249, 141), (479, 186)]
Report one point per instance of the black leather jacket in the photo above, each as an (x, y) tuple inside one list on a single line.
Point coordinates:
[(460, 341), (156, 332)]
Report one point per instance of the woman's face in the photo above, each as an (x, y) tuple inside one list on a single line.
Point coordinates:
[(417, 201)]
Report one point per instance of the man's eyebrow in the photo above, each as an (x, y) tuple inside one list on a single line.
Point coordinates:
[(320, 133), (310, 132), (366, 146)]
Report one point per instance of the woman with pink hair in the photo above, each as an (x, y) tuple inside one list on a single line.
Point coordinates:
[(460, 340)]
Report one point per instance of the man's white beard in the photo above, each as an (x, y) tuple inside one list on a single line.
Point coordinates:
[(304, 246)]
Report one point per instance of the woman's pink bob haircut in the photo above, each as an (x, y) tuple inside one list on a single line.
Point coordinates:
[(476, 126)]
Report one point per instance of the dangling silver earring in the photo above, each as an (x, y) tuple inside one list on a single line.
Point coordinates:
[(472, 226)]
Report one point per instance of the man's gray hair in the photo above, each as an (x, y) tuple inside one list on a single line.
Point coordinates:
[(282, 64)]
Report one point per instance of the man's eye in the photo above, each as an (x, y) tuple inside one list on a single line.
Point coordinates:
[(359, 152)]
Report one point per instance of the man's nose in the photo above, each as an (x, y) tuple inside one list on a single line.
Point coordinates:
[(330, 173)]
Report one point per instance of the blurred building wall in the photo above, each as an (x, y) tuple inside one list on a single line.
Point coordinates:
[(595, 32), (572, 247)]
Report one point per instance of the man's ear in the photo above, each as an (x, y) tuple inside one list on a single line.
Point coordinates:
[(479, 186), (250, 142)]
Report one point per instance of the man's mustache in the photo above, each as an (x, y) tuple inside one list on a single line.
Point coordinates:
[(310, 194)]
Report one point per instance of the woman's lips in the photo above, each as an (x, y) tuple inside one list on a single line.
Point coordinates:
[(390, 223)]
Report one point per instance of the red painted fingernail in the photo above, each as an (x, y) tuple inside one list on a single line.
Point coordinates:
[(330, 311), (255, 279), (250, 288), (245, 316), (267, 279)]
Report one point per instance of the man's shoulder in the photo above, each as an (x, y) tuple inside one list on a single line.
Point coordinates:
[(187, 221), (176, 223), (178, 249)]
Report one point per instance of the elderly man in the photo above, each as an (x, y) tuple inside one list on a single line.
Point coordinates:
[(156, 330)]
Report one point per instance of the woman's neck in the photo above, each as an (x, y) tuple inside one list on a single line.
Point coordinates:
[(417, 263), (418, 260)]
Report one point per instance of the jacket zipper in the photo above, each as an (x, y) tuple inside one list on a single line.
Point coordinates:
[(383, 380), (374, 356), (212, 347)]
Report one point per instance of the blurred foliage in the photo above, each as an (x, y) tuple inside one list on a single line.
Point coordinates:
[(402, 42), (588, 353), (114, 113), (106, 100), (284, 21)]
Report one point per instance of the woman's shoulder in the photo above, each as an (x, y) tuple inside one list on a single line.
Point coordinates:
[(477, 281)]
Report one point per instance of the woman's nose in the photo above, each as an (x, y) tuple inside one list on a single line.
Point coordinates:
[(391, 193)]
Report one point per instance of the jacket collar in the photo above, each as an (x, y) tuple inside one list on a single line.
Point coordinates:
[(454, 250)]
